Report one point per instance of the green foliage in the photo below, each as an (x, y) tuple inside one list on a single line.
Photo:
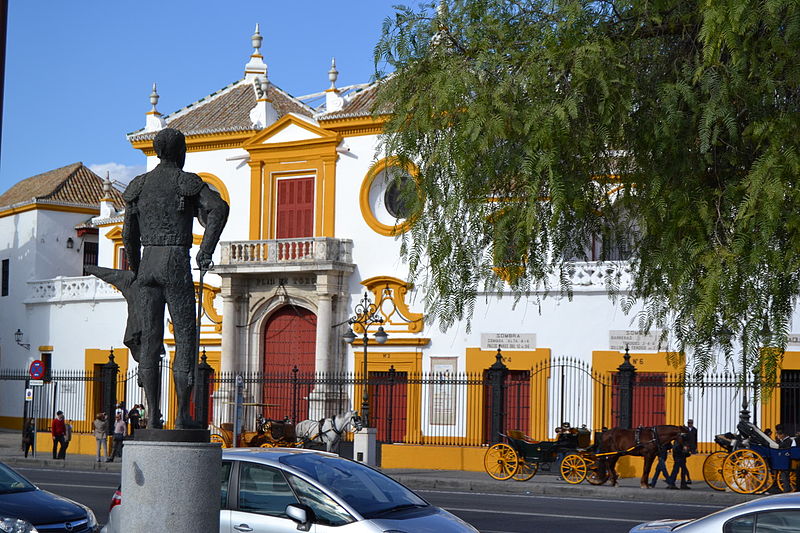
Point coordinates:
[(538, 124)]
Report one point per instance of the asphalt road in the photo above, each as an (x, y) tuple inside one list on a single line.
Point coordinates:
[(490, 513)]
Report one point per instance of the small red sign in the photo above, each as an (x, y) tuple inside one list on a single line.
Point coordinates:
[(37, 369)]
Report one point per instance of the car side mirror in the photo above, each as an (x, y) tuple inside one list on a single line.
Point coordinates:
[(302, 514)]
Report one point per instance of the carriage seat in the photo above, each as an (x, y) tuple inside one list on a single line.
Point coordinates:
[(584, 438), (517, 434), (226, 426), (756, 436)]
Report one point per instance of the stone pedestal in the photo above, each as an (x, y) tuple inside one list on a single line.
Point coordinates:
[(171, 482), (364, 446)]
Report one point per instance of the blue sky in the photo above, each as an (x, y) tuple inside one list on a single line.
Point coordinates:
[(79, 74)]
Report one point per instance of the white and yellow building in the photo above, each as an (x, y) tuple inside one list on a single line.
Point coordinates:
[(312, 227)]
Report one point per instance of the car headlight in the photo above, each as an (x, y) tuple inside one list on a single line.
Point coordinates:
[(90, 516), (16, 525)]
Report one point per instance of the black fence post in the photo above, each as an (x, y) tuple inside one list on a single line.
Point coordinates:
[(626, 382), (201, 394), (294, 416), (109, 377), (497, 377), (390, 404)]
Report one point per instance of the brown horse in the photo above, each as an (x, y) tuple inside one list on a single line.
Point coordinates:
[(641, 442)]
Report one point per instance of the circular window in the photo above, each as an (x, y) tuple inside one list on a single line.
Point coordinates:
[(386, 201)]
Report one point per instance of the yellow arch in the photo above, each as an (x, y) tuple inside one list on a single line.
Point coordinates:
[(218, 184)]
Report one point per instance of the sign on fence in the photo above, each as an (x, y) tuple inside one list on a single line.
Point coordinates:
[(36, 383), (508, 341), (618, 339), (28, 395)]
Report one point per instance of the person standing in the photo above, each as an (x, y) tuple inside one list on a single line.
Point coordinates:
[(67, 438), (133, 418), (28, 436), (120, 428), (691, 445), (100, 435), (58, 429), (661, 467), (784, 441)]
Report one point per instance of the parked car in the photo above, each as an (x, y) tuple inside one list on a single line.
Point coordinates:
[(285, 490), (772, 514), (25, 508)]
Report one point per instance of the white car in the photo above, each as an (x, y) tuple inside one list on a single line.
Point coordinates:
[(772, 514), (285, 490)]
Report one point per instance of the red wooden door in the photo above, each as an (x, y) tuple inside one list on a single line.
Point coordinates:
[(295, 208), (649, 399), (387, 405), (290, 339)]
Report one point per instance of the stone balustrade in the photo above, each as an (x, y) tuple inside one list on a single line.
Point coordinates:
[(282, 251), (70, 289)]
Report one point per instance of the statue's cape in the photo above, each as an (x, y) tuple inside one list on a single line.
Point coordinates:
[(124, 280)]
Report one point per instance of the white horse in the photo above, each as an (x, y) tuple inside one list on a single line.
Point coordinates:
[(327, 431)]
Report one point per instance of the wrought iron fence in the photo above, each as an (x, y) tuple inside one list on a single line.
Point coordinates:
[(466, 409)]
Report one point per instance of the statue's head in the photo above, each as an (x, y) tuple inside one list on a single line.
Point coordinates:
[(170, 145)]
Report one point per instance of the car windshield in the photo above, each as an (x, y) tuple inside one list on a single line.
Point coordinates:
[(367, 491), (10, 481)]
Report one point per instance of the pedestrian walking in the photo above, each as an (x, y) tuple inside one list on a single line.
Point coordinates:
[(661, 467), (680, 451), (67, 438), (120, 429), (100, 437), (784, 441), (58, 429), (691, 444), (28, 436)]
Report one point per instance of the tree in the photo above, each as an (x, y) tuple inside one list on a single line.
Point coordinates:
[(537, 124)]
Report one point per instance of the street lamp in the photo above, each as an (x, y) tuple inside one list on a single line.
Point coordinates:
[(366, 315)]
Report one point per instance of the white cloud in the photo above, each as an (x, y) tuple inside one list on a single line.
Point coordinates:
[(118, 172)]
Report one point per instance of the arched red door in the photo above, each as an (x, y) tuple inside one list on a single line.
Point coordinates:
[(290, 339)]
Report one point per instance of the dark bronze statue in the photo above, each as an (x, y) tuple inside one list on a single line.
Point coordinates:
[(160, 209)]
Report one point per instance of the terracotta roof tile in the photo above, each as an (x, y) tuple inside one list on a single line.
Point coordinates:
[(72, 184), (226, 110)]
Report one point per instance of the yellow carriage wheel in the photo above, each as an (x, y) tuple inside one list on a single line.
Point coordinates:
[(218, 438), (712, 470), (269, 444), (782, 483), (573, 468), (501, 461), (525, 470), (745, 472)]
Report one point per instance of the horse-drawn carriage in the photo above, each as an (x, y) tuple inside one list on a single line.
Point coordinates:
[(282, 433), (268, 434), (751, 463), (520, 457)]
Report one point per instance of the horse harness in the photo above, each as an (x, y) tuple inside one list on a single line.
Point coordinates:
[(321, 423)]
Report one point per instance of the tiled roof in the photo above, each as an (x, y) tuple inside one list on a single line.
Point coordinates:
[(226, 110), (72, 184), (360, 105)]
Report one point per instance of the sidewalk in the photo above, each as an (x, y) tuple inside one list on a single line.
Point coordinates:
[(543, 484)]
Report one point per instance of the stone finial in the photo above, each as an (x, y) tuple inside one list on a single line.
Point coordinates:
[(107, 208), (107, 184), (333, 100), (256, 66), (263, 114), (333, 74), (154, 120)]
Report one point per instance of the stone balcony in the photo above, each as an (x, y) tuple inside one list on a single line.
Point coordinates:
[(313, 254), (598, 276)]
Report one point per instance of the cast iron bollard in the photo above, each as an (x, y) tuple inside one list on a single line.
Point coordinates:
[(109, 377), (626, 381), (496, 375)]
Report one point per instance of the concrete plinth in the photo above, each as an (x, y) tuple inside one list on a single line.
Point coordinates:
[(169, 485), (364, 447)]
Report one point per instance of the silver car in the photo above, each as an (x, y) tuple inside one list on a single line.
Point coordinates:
[(772, 514), (285, 490)]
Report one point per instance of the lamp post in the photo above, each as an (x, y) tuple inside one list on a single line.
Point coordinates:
[(366, 315)]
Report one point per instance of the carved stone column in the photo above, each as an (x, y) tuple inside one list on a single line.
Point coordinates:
[(322, 360), (224, 392)]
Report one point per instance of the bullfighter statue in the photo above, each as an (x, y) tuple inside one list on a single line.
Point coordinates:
[(160, 207)]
